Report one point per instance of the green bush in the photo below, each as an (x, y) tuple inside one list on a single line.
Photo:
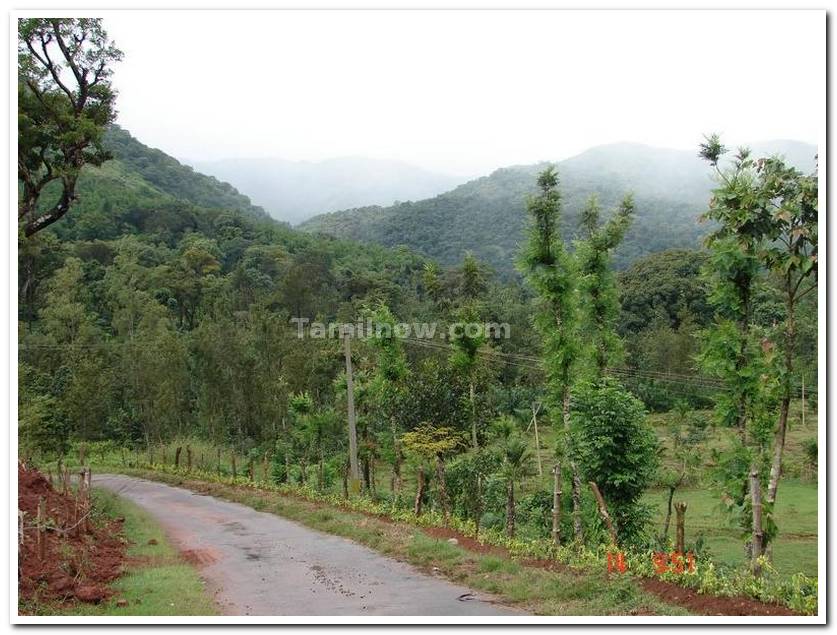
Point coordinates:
[(617, 449)]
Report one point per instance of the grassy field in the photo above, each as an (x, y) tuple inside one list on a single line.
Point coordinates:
[(157, 581), (794, 551)]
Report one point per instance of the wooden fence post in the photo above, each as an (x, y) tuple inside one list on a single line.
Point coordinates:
[(680, 541), (219, 460), (188, 458), (177, 457), (233, 466), (41, 528), (556, 504)]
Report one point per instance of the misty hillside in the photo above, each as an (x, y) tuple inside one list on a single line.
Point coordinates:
[(487, 215), (294, 191)]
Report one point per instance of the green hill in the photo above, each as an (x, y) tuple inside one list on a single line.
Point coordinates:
[(141, 181), (487, 216)]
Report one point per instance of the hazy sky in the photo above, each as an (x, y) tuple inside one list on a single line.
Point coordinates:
[(464, 92)]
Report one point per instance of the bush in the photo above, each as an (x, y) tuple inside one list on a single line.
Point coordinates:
[(617, 449)]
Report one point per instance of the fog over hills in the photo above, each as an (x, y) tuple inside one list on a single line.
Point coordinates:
[(487, 215), (294, 191)]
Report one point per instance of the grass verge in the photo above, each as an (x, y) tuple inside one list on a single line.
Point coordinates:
[(156, 581)]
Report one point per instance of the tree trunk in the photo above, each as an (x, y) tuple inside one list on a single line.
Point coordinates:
[(419, 491), (667, 524), (232, 456), (443, 490), (188, 458), (758, 533), (603, 511), (779, 443), (576, 479), (354, 472), (396, 468), (680, 543), (478, 508), (177, 457), (537, 439), (556, 505), (474, 441), (346, 480), (219, 460), (510, 508)]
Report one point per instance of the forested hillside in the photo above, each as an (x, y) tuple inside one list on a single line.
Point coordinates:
[(486, 216), (118, 195), (293, 191)]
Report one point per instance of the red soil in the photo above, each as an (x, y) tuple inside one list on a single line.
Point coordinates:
[(76, 565)]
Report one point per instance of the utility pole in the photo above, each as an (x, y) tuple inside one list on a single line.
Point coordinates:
[(354, 472)]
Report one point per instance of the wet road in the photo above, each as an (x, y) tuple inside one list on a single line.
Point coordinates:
[(262, 564)]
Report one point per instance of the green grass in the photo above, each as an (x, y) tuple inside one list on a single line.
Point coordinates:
[(795, 549), (157, 582), (529, 588)]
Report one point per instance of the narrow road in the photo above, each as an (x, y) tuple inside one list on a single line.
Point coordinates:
[(261, 564)]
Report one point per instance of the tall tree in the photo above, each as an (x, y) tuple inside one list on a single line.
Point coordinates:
[(735, 349), (789, 209), (551, 271), (65, 101), (597, 280)]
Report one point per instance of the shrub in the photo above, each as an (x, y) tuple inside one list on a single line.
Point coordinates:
[(617, 449)]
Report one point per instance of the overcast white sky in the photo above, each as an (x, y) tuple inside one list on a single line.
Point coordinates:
[(464, 92)]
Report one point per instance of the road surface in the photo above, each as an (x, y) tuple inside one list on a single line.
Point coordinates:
[(262, 564)]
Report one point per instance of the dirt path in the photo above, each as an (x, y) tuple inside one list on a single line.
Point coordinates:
[(261, 564)]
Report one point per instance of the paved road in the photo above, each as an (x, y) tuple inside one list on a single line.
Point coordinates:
[(261, 564)]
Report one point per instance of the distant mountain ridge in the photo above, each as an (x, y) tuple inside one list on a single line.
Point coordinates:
[(294, 191), (487, 215)]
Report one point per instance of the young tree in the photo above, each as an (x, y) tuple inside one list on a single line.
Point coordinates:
[(551, 272), (598, 283), (388, 387), (735, 349), (434, 443), (616, 449), (65, 102), (465, 359), (790, 209), (517, 463)]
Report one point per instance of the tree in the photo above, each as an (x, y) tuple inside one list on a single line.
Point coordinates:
[(735, 349), (433, 443), (686, 432), (616, 449), (65, 102), (517, 463), (465, 359), (790, 207), (551, 272), (598, 283), (388, 388)]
